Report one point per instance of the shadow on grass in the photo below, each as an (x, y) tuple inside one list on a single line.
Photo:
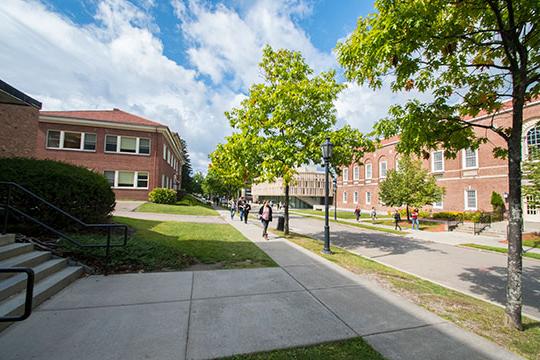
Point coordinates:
[(172, 246)]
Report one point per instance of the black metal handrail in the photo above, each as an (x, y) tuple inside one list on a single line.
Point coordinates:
[(8, 207), (29, 293), (482, 223)]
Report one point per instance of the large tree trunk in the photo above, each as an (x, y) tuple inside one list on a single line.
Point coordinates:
[(286, 212), (514, 270)]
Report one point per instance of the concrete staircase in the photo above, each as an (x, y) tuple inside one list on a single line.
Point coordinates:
[(52, 274), (468, 228)]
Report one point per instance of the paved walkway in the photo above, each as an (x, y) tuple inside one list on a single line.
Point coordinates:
[(478, 273), (210, 314)]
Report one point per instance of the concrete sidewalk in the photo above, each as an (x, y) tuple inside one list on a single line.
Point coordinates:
[(212, 314)]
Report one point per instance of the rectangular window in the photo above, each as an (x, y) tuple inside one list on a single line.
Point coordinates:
[(344, 196), (345, 175), (111, 142), (90, 141), (162, 181), (437, 161), (109, 175), (368, 197), (144, 146), (126, 179), (438, 205), (142, 179), (53, 139), (470, 200), (356, 173), (128, 144), (382, 169), (164, 152), (470, 158), (355, 197), (368, 171), (71, 140)]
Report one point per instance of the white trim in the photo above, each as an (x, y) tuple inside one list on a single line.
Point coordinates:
[(385, 169), (433, 161), (355, 197), (356, 172), (118, 145), (344, 197), (345, 175), (466, 200), (370, 165), (474, 177), (135, 179), (368, 198), (464, 159), (438, 207), (62, 138)]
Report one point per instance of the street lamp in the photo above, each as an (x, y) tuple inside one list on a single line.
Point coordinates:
[(335, 197), (327, 154)]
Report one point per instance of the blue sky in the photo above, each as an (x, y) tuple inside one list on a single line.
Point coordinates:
[(179, 62)]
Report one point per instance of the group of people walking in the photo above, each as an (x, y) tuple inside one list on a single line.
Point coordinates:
[(243, 207), (396, 215)]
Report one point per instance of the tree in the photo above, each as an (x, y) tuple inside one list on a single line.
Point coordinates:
[(216, 185), (284, 121), (498, 204), (472, 55), (531, 188), (196, 183), (410, 185), (186, 168)]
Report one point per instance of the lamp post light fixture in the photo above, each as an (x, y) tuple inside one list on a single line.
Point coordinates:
[(327, 148), (334, 183)]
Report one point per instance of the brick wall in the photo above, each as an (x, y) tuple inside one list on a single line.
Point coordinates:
[(19, 126)]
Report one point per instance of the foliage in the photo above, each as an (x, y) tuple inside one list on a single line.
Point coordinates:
[(481, 52), (410, 185), (187, 179), (531, 188), (218, 184), (162, 196), (196, 183), (283, 122), (74, 189)]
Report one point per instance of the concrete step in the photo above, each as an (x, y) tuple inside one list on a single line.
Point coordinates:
[(7, 239), (16, 283), (14, 249), (30, 259), (42, 291)]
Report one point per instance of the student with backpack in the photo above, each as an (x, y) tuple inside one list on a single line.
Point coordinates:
[(397, 219)]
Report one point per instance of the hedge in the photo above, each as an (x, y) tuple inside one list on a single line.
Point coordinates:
[(162, 196), (76, 190)]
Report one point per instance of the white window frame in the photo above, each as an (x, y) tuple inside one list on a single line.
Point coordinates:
[(385, 169), (165, 152), (345, 175), (355, 197), (118, 145), (62, 137), (344, 197), (438, 205), (396, 164), (356, 173), (135, 180), (368, 175), (368, 197), (466, 200), (433, 170), (464, 152)]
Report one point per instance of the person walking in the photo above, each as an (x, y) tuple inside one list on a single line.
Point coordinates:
[(232, 205), (373, 214), (414, 218), (357, 212), (247, 209), (265, 214), (241, 206), (397, 219)]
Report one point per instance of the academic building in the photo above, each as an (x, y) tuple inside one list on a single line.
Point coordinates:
[(469, 179)]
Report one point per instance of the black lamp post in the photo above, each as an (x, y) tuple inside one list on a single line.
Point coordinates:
[(335, 197), (327, 154)]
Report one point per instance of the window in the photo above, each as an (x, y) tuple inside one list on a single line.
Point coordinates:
[(368, 197), (382, 169), (396, 167), (368, 171), (163, 181), (164, 152), (355, 197), (344, 196), (533, 142), (438, 204), (71, 140), (127, 179), (470, 200), (437, 161), (127, 145), (470, 158), (356, 173), (345, 175)]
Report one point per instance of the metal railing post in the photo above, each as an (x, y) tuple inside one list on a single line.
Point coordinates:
[(6, 210), (108, 251)]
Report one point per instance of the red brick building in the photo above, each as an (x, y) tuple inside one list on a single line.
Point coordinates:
[(136, 155), (18, 122), (469, 179)]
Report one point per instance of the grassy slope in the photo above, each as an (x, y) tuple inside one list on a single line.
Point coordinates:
[(354, 349), (157, 246), (187, 206), (467, 312)]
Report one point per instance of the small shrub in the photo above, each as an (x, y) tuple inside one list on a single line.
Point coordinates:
[(162, 196), (74, 189)]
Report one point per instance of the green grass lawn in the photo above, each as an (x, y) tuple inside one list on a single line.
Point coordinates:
[(169, 245), (353, 349), (534, 243), (474, 315), (340, 214), (501, 250), (187, 206)]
